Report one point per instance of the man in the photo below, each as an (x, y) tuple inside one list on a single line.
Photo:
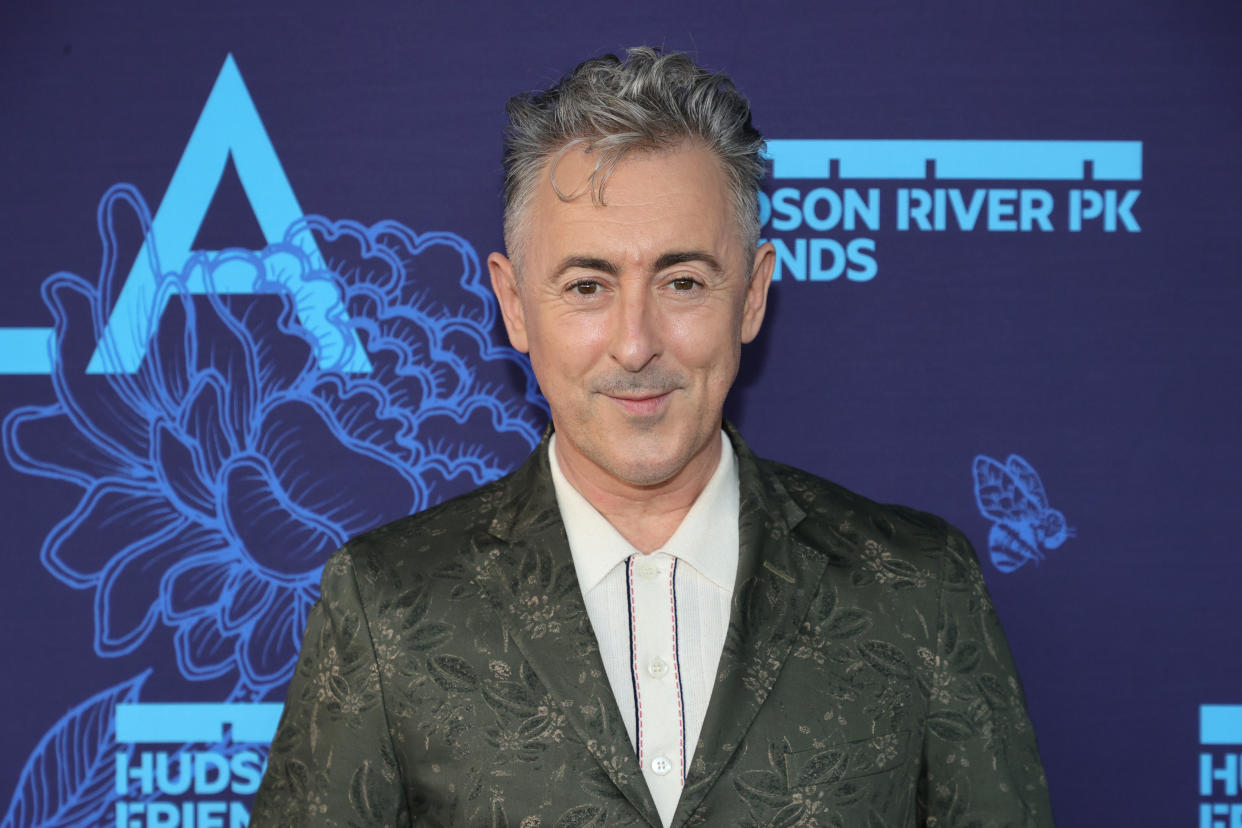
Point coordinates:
[(645, 624)]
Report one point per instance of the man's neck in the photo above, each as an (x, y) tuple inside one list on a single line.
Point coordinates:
[(646, 516)]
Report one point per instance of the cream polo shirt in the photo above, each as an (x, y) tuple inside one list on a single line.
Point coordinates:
[(660, 618)]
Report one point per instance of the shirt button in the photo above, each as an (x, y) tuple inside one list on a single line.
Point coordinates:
[(647, 568), (660, 766), (657, 668)]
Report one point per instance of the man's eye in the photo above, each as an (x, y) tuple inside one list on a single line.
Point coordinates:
[(584, 288), (684, 283)]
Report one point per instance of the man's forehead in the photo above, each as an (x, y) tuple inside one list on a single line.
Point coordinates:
[(665, 201)]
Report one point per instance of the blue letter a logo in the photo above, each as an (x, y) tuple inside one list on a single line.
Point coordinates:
[(229, 124)]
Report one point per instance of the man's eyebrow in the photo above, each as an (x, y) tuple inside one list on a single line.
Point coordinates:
[(681, 257), (586, 263), (666, 260)]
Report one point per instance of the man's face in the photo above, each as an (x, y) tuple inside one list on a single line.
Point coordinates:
[(634, 311)]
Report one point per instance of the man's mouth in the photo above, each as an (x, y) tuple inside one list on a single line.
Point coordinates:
[(641, 405)]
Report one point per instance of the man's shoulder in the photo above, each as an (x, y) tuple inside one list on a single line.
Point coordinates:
[(439, 537), (844, 521), (465, 515)]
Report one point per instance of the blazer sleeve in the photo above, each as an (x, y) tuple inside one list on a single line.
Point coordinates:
[(332, 760), (981, 762)]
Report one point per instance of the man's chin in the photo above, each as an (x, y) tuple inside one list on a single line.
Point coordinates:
[(639, 450), (639, 458), (645, 477), (646, 463)]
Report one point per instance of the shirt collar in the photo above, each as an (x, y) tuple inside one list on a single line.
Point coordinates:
[(707, 537)]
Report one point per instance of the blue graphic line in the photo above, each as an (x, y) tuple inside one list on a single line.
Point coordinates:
[(25, 350), (177, 723), (1220, 724), (980, 160)]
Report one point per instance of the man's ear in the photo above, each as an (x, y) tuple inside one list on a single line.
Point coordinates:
[(508, 294), (756, 302)]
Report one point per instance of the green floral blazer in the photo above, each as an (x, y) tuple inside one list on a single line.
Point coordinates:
[(449, 676)]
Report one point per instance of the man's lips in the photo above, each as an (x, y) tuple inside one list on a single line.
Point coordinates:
[(644, 405)]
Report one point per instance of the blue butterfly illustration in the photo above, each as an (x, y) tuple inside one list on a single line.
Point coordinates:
[(1013, 497)]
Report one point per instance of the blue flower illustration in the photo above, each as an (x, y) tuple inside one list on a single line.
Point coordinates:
[(216, 479)]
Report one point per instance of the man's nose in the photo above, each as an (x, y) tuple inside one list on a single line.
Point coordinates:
[(635, 328)]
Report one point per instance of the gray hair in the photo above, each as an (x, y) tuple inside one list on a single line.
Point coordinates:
[(650, 100)]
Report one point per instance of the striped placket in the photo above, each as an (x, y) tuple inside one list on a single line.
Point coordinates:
[(655, 672)]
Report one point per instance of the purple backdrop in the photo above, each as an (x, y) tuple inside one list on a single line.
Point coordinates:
[(1106, 359)]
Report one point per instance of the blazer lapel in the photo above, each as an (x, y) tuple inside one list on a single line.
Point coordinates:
[(530, 580), (778, 576)]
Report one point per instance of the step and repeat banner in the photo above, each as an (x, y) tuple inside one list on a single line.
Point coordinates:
[(244, 317)]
